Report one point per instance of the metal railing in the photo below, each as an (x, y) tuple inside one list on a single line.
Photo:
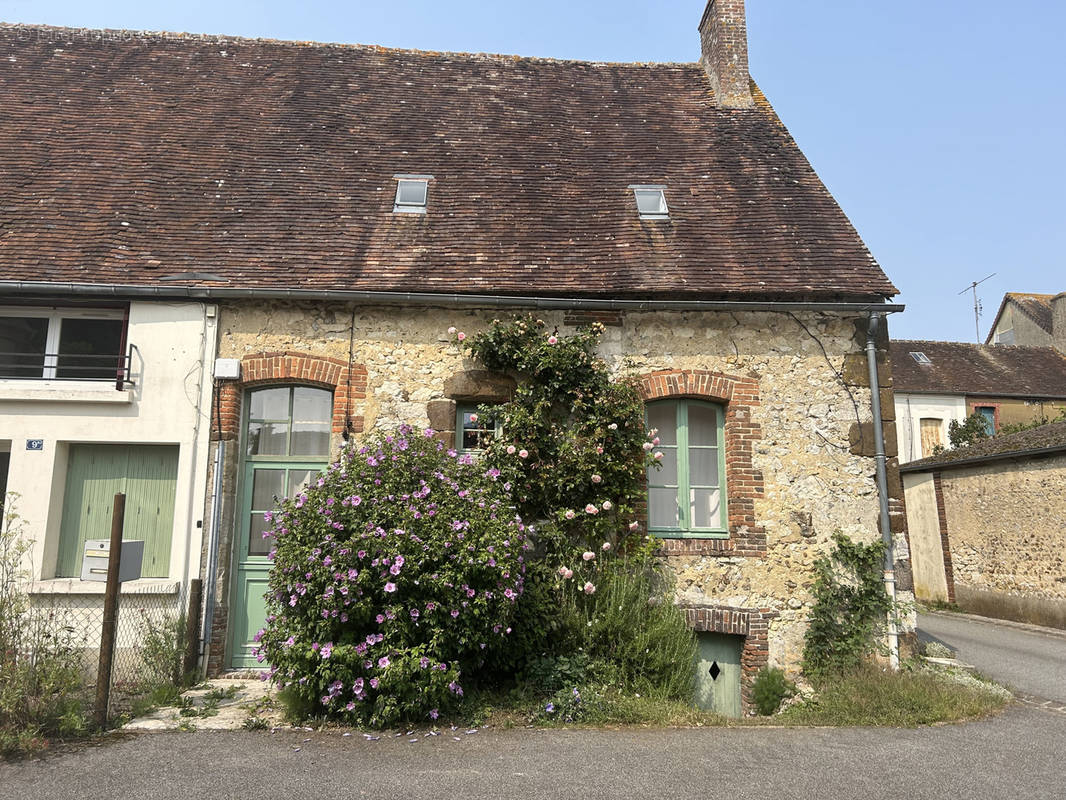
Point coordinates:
[(68, 367)]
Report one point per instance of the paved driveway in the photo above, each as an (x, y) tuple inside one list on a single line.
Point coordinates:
[(1030, 661), (1018, 754)]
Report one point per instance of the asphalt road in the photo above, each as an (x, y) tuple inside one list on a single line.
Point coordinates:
[(1032, 662), (1018, 754)]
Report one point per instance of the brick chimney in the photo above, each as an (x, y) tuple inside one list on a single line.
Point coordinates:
[(1058, 322), (724, 38)]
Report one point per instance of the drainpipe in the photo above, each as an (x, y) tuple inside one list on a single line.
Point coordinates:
[(882, 489), (212, 548)]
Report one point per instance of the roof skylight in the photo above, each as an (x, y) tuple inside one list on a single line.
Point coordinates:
[(921, 358), (412, 193), (651, 201)]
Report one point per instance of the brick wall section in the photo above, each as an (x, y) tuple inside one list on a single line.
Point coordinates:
[(752, 624), (744, 483), (291, 368), (945, 543)]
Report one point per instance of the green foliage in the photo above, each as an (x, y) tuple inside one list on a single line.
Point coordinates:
[(867, 695), (850, 607), (397, 572), (973, 429), (162, 651), (575, 449), (572, 443), (1018, 427), (41, 691), (771, 687)]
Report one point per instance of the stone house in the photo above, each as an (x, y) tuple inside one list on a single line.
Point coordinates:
[(939, 382), (987, 526), (1026, 318), (334, 209)]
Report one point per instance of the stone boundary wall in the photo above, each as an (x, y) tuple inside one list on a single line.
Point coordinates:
[(1007, 523)]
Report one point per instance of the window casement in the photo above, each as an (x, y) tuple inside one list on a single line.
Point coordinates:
[(286, 444), (412, 194), (687, 493), (63, 344), (472, 432)]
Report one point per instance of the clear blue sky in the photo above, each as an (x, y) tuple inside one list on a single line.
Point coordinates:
[(937, 124)]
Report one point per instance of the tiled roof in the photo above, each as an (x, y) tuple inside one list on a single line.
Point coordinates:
[(127, 157), (978, 369), (1035, 306), (1046, 437)]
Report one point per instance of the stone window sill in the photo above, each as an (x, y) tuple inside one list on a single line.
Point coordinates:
[(78, 586), (64, 391)]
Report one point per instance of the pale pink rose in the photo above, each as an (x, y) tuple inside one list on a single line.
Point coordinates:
[(613, 426), (607, 505), (655, 440), (588, 555), (589, 588), (523, 454), (648, 446), (451, 331), (460, 336), (658, 456), (653, 431), (552, 340), (599, 451), (568, 574), (596, 479), (511, 449), (569, 513), (591, 509), (634, 525), (562, 571), (473, 417), (605, 546)]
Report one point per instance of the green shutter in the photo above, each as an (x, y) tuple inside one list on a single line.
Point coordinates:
[(95, 473)]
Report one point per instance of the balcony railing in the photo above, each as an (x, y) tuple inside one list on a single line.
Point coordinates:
[(68, 367)]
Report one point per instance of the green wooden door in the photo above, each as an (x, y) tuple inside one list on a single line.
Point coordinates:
[(147, 474), (285, 445), (718, 673)]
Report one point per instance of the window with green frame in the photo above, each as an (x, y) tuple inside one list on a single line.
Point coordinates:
[(472, 434), (687, 494)]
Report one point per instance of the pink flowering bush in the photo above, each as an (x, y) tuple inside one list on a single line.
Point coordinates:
[(395, 576)]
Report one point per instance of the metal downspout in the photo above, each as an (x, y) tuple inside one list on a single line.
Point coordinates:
[(212, 551), (882, 489)]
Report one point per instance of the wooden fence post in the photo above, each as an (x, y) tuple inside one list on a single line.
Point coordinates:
[(110, 623)]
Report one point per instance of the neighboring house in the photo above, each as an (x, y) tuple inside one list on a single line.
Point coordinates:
[(342, 206), (987, 526), (1027, 319), (98, 396), (940, 382)]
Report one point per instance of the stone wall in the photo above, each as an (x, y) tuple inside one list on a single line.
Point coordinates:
[(801, 415), (1007, 527)]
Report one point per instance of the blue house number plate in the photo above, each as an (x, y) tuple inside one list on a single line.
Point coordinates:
[(35, 444)]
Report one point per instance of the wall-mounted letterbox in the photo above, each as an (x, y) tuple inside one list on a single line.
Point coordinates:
[(98, 553)]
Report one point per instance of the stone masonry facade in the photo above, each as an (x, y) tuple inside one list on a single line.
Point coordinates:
[(798, 467), (1007, 534)]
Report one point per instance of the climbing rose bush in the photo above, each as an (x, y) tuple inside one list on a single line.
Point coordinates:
[(395, 576)]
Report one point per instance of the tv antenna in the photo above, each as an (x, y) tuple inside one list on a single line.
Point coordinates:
[(976, 304)]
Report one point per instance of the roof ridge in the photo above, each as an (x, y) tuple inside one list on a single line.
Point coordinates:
[(57, 32), (998, 347)]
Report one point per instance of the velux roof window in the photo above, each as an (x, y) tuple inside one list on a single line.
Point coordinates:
[(412, 194), (651, 201), (921, 358)]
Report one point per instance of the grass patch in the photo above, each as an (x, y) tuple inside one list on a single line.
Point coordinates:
[(869, 696)]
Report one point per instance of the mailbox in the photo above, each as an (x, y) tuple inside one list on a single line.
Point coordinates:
[(98, 553)]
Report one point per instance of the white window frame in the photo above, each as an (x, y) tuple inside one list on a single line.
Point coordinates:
[(406, 207), (650, 188), (55, 316)]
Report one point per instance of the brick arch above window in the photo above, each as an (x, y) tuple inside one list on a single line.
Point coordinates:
[(744, 484), (347, 382)]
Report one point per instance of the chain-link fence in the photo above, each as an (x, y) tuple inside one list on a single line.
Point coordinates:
[(150, 638)]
